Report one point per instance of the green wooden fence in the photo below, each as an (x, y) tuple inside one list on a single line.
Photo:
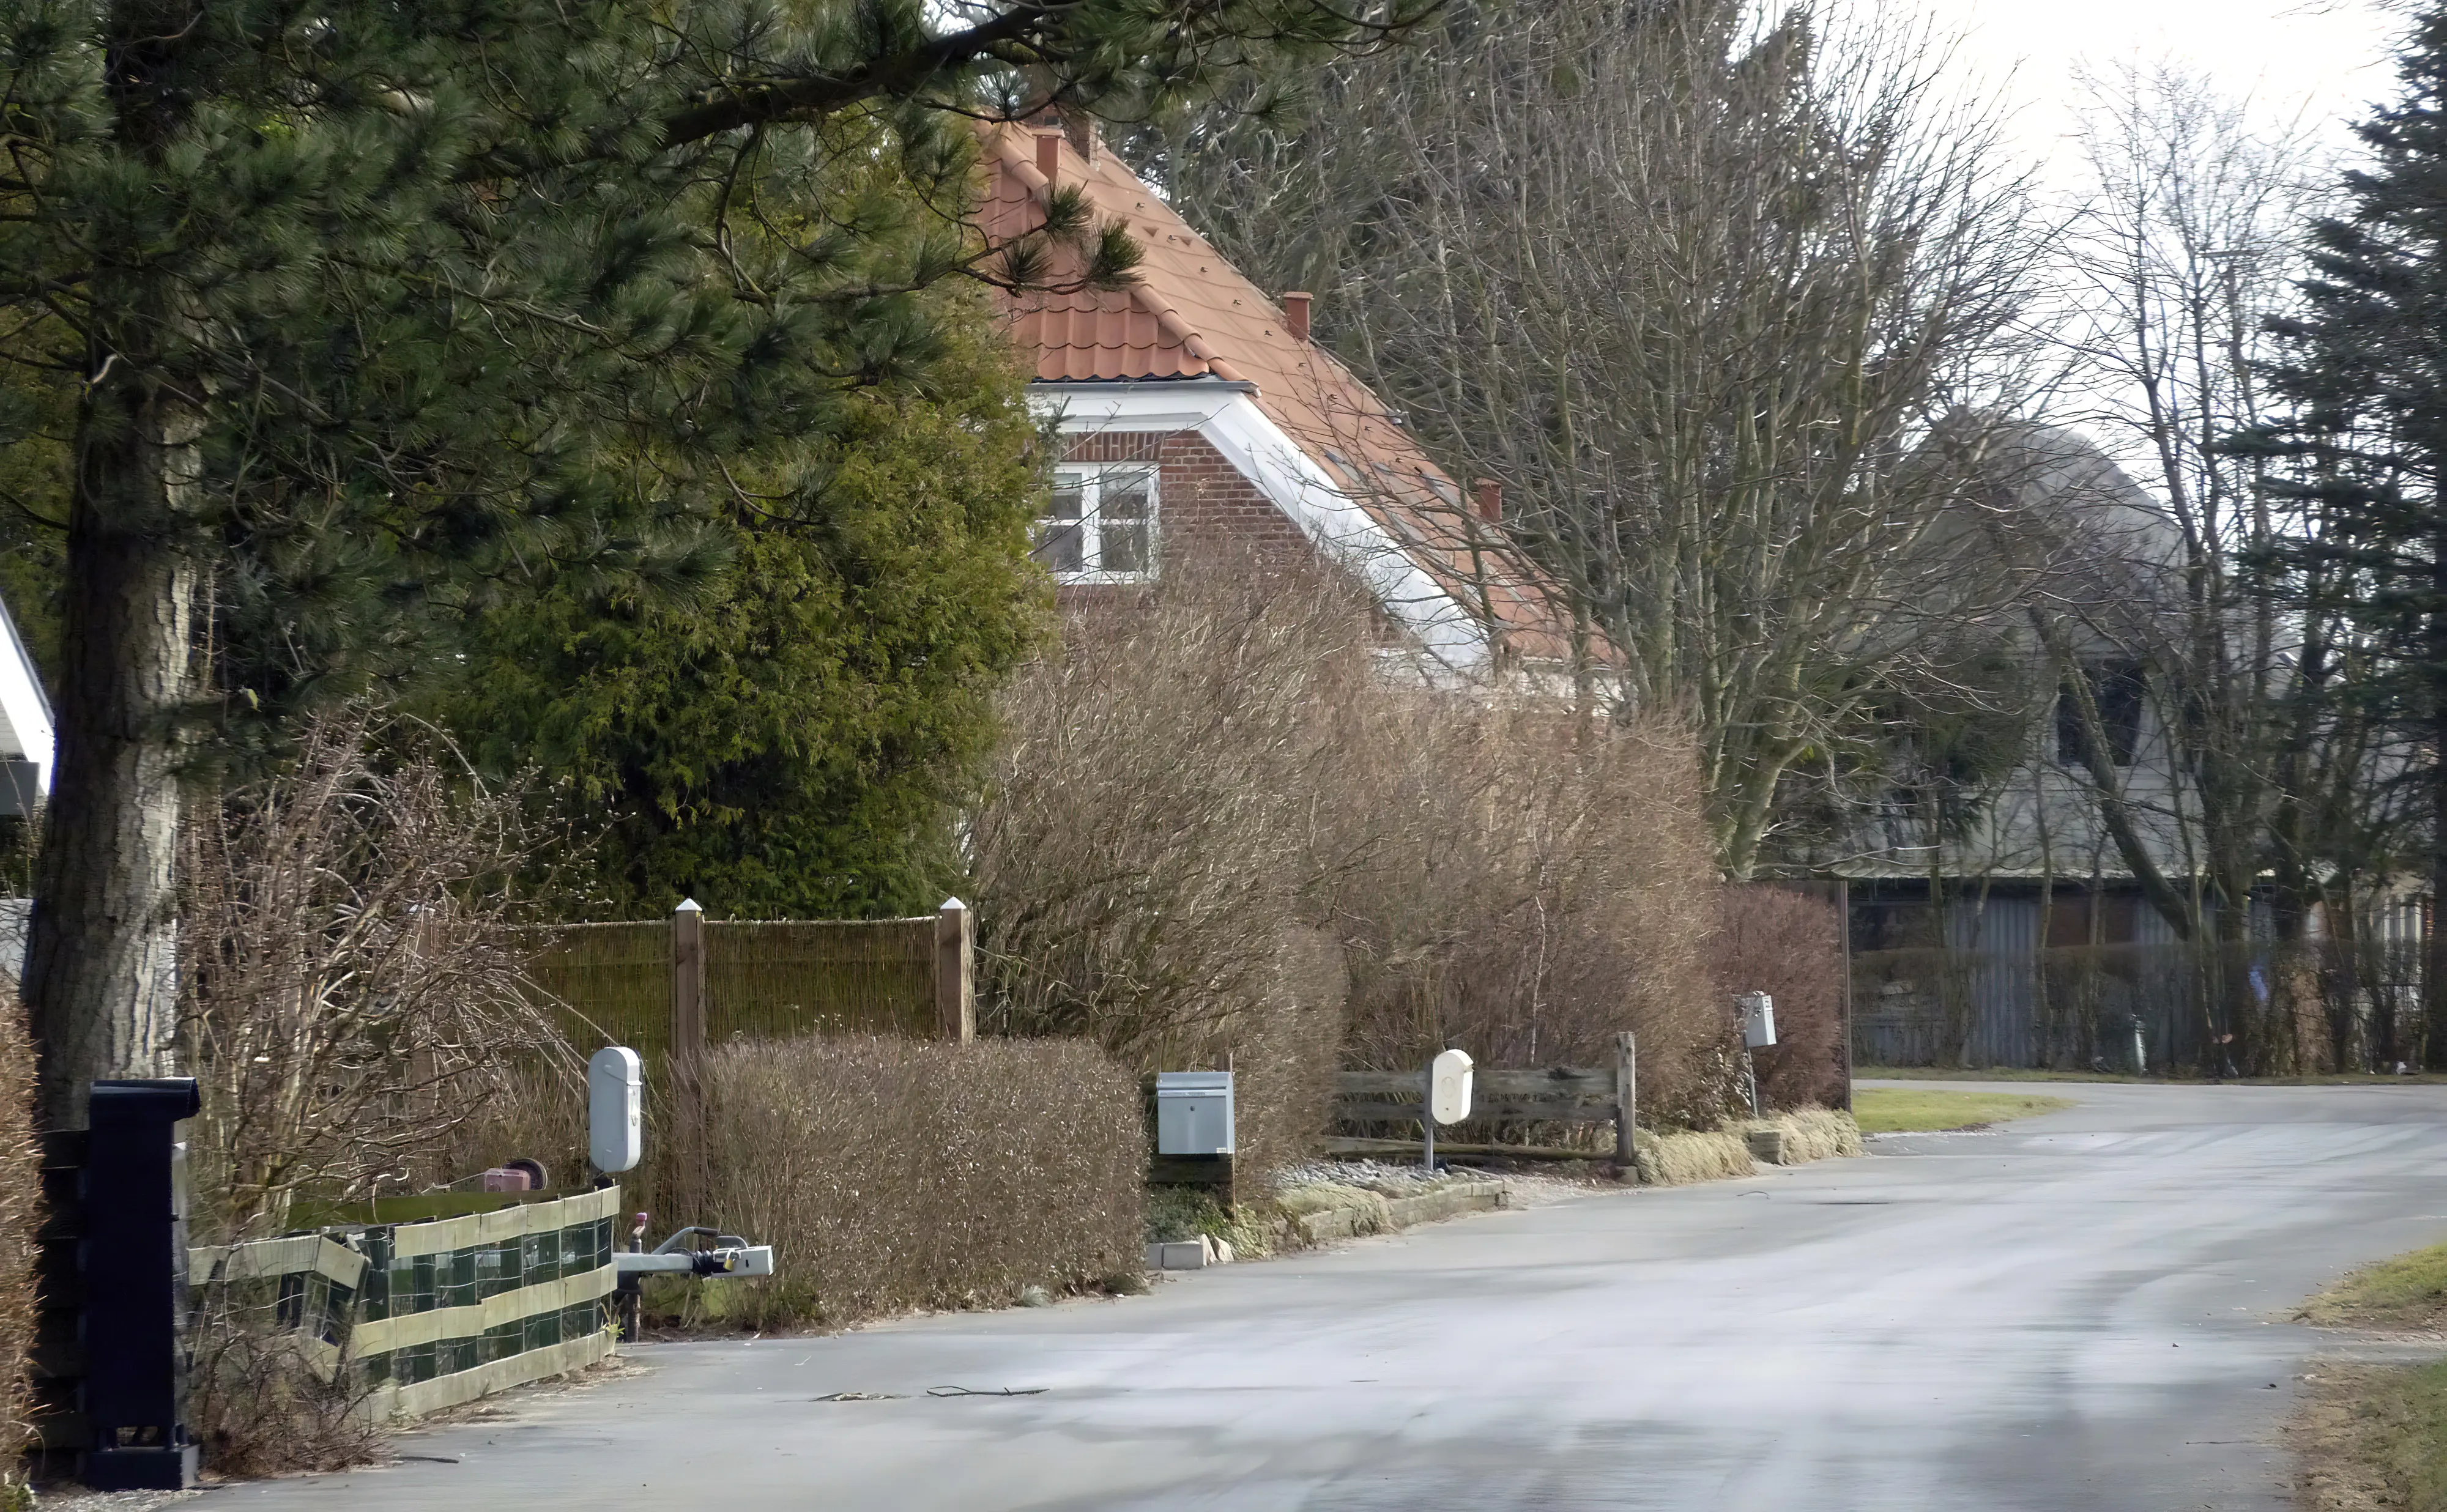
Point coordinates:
[(428, 1316)]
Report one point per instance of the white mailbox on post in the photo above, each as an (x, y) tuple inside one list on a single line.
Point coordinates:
[(615, 1108), (1193, 1112), (1759, 1020), (1449, 1086)]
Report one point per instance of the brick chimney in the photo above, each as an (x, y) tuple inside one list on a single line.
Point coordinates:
[(1296, 314), (1488, 496), (1048, 153)]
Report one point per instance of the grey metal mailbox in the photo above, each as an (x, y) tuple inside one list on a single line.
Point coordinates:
[(1759, 1020), (1193, 1113)]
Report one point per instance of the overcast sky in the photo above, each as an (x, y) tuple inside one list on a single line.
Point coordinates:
[(2327, 56)]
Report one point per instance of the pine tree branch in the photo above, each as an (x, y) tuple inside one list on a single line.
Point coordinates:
[(893, 75)]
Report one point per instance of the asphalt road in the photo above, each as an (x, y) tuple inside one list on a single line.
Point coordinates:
[(2080, 1310)]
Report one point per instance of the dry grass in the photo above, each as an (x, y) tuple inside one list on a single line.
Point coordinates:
[(1255, 1230), (2371, 1437), (894, 1174), (1691, 1155), (1813, 1134), (1377, 1216), (2367, 1437), (21, 1194)]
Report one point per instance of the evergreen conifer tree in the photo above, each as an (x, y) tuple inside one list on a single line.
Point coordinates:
[(2363, 450), (793, 740), (358, 308)]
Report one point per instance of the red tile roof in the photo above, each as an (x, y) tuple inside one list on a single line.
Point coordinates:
[(1192, 314)]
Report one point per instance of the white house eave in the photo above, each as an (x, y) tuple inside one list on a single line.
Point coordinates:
[(1228, 417), (27, 731)]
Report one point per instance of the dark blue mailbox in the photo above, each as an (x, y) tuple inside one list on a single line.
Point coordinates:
[(134, 1259)]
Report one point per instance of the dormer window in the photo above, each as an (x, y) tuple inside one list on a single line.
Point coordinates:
[(1100, 527)]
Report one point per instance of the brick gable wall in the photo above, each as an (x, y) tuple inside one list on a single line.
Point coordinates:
[(1200, 497)]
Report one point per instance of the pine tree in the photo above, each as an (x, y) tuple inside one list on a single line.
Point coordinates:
[(794, 740), (361, 309), (2362, 451)]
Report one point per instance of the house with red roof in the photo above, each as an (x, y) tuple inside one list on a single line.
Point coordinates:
[(1193, 405)]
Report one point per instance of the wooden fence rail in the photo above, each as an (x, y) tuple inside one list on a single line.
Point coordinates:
[(668, 987), (670, 991), (1561, 1094)]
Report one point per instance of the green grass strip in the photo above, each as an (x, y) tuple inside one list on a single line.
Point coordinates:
[(2408, 1292), (1912, 1110)]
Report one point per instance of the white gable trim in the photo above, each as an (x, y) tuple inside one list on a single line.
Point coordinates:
[(26, 729), (1228, 416)]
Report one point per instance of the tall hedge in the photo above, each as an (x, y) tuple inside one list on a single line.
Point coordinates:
[(20, 1210), (890, 1174)]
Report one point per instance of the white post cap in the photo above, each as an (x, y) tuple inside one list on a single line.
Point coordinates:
[(688, 905)]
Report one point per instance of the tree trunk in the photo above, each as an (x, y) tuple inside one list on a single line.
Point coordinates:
[(101, 969), (2434, 942), (2434, 972)]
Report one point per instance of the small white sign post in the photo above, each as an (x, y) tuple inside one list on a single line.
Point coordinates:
[(1448, 1095)]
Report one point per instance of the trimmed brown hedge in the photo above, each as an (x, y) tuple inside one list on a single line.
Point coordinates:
[(891, 1174), (20, 1197), (1789, 945)]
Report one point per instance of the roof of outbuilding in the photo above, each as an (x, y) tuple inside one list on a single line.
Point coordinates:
[(1191, 314)]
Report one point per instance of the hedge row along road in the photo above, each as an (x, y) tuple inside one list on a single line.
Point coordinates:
[(2082, 1310)]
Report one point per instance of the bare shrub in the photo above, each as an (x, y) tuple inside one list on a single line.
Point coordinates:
[(1217, 831), (21, 1210), (263, 1403), (1148, 837), (891, 1174), (537, 1110), (1789, 946), (1523, 886), (352, 990)]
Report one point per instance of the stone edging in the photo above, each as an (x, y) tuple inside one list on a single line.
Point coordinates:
[(1447, 1202)]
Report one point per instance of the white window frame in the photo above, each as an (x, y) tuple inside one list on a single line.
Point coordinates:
[(1089, 478)]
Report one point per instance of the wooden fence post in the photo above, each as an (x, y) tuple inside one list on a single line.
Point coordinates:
[(1627, 1102), (955, 972), (688, 1059), (1844, 922)]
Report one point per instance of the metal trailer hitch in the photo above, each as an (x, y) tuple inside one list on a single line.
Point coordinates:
[(730, 1256)]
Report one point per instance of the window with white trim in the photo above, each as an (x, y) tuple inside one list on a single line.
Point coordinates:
[(1100, 527)]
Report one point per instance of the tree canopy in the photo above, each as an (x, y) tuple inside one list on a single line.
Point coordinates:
[(2359, 444), (365, 317)]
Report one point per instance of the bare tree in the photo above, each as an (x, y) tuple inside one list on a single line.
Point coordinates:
[(352, 990), (1695, 291), (2184, 249)]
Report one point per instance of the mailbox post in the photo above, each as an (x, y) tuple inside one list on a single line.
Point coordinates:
[(1758, 1032), (134, 1260), (1449, 1086)]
